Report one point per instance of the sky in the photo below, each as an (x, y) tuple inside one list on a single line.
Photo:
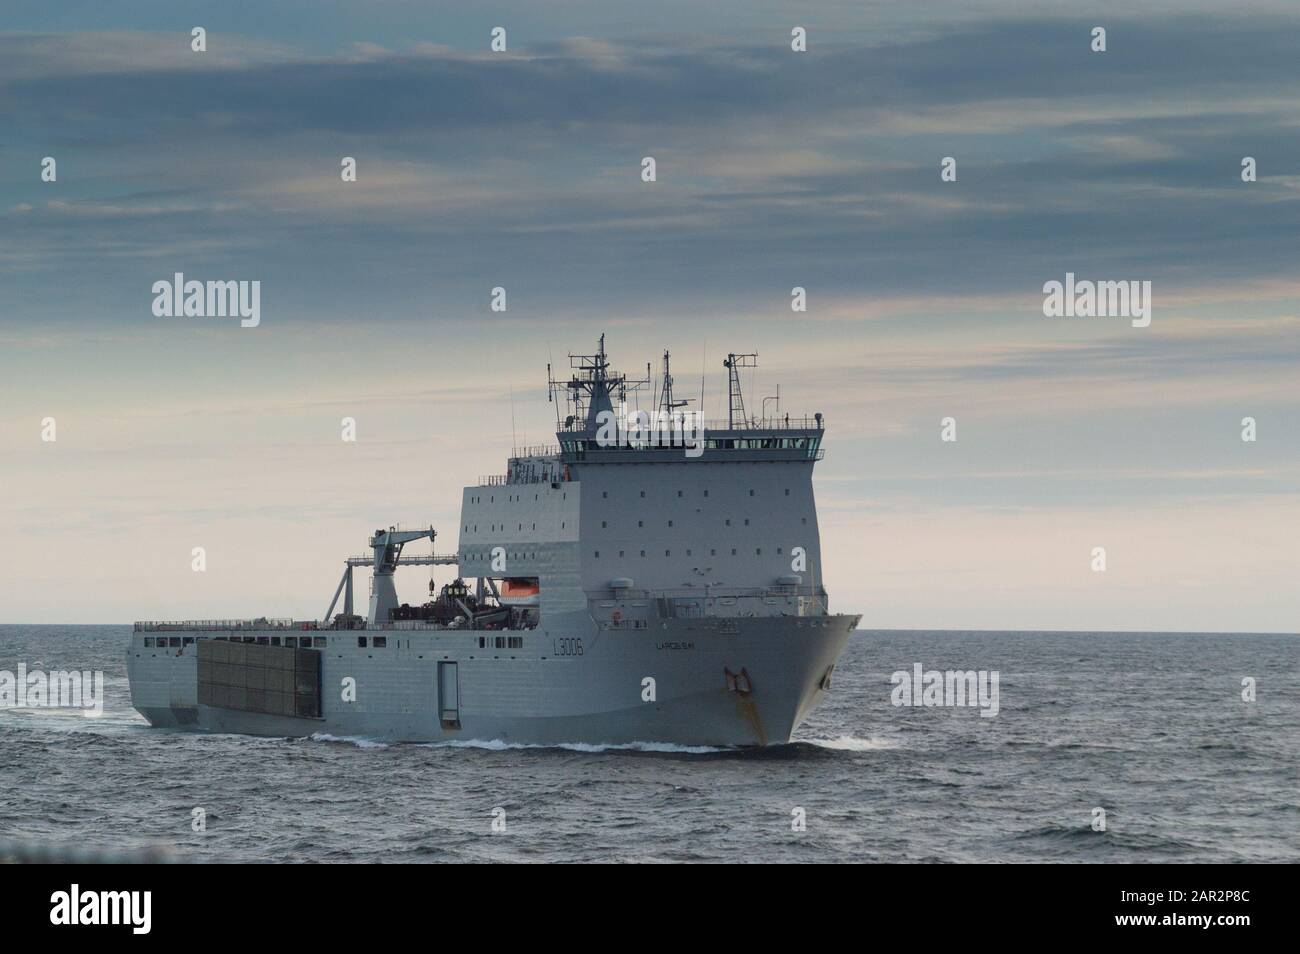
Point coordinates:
[(774, 169)]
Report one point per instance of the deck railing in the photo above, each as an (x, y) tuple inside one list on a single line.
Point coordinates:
[(781, 423), (536, 450), (190, 625)]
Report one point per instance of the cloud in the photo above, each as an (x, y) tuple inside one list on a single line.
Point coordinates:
[(775, 169), (87, 57), (823, 164)]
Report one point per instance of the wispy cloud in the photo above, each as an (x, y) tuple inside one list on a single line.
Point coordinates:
[(775, 169)]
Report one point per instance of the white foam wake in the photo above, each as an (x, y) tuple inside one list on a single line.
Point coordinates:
[(499, 745), (850, 743), (358, 741), (845, 743)]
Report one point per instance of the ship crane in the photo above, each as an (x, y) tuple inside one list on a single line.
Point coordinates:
[(385, 559)]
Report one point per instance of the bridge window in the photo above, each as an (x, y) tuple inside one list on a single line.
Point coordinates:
[(148, 642), (603, 525), (381, 642), (787, 491), (318, 642), (361, 642), (596, 554)]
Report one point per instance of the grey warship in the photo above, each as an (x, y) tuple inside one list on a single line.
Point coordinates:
[(651, 578)]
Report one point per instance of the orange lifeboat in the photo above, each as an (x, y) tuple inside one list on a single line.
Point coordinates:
[(520, 591)]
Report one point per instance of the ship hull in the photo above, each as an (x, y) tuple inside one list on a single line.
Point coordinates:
[(696, 682)]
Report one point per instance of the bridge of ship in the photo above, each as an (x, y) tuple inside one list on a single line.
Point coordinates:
[(771, 440)]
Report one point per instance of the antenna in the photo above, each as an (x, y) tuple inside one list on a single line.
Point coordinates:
[(666, 398), (666, 402), (773, 397), (513, 437), (550, 385), (704, 363), (591, 388), (736, 403)]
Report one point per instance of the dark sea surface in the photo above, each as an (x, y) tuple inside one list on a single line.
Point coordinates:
[(1150, 727)]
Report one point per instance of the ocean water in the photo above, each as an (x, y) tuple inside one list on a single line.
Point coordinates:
[(1150, 727)]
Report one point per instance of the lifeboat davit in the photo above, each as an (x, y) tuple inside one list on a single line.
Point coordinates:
[(520, 591)]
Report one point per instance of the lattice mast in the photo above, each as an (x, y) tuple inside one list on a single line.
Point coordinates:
[(736, 407)]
